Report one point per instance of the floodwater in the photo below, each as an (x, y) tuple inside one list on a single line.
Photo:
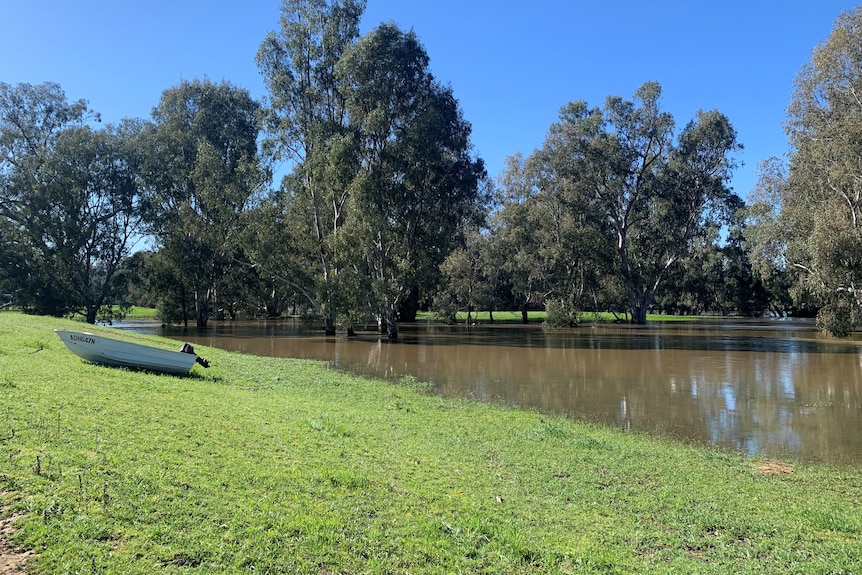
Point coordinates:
[(775, 388)]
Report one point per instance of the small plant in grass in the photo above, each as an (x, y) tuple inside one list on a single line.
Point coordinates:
[(328, 426), (415, 384)]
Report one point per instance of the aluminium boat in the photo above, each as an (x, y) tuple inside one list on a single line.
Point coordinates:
[(118, 353)]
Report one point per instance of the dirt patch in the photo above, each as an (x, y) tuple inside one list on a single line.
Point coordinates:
[(11, 559), (772, 467)]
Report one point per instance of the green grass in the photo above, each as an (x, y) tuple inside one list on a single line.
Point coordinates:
[(584, 317), (138, 312), (282, 466)]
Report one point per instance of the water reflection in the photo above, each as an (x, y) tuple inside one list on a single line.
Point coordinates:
[(763, 387)]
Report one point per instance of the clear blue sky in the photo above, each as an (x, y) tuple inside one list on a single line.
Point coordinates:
[(512, 65)]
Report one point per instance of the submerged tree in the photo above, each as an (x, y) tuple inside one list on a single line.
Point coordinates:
[(822, 205), (560, 248), (466, 281), (306, 127), (202, 171), (766, 239), (418, 182), (522, 252), (620, 163)]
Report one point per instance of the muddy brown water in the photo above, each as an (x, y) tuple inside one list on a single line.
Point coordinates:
[(775, 388)]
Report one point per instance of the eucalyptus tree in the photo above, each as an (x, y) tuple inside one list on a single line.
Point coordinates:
[(466, 279), (12, 257), (620, 163), (306, 130), (275, 249), (70, 198), (822, 205), (88, 218), (557, 247), (520, 251), (574, 241), (202, 171), (716, 277), (418, 181), (31, 119), (766, 237)]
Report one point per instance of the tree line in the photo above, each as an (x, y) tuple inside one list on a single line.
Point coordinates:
[(385, 208)]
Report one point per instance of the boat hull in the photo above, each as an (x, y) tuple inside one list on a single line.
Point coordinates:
[(108, 351)]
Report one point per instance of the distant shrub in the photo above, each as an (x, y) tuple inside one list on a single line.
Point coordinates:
[(839, 317), (559, 315)]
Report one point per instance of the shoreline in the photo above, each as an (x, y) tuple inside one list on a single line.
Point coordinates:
[(288, 466)]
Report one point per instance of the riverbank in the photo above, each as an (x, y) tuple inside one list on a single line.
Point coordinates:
[(284, 466)]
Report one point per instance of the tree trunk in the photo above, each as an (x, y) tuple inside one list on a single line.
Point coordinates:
[(410, 305), (639, 302), (388, 324), (92, 310), (272, 307), (185, 309), (330, 325), (392, 328), (201, 310), (639, 315)]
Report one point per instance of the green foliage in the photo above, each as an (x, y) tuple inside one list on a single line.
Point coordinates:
[(717, 279), (202, 170), (766, 234), (839, 316), (820, 200), (539, 250), (559, 314), (306, 125), (382, 178), (466, 279), (418, 183), (69, 202), (610, 188), (284, 466)]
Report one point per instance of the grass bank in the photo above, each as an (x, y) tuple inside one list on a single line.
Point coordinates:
[(283, 466), (583, 317), (138, 312)]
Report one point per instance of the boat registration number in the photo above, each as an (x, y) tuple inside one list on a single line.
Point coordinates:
[(83, 339)]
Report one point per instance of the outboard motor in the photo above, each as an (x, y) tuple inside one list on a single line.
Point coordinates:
[(187, 348)]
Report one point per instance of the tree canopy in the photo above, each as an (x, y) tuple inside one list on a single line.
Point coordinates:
[(617, 177), (384, 207), (417, 183), (381, 171), (805, 218), (306, 127), (202, 171), (69, 202)]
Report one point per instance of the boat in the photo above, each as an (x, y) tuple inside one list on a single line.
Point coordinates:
[(118, 353)]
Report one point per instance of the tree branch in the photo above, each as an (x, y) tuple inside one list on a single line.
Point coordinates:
[(311, 299)]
